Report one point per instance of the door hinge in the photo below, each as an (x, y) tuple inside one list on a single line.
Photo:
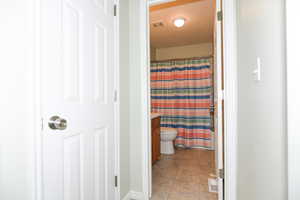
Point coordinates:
[(42, 123), (115, 10), (221, 173), (115, 96), (116, 181), (220, 15)]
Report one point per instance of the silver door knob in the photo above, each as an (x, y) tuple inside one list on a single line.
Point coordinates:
[(57, 123)]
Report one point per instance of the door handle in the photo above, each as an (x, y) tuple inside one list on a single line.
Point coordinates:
[(57, 123)]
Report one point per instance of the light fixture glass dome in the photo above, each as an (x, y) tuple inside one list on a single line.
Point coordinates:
[(179, 22)]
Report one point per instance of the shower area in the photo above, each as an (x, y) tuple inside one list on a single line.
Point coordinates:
[(182, 93)]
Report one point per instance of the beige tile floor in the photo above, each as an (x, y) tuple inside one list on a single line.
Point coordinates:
[(183, 176)]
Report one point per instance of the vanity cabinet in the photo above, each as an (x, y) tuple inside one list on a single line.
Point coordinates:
[(155, 131)]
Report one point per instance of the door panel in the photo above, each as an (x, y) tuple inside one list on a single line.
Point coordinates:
[(100, 155), (101, 64), (72, 168), (70, 38), (78, 76)]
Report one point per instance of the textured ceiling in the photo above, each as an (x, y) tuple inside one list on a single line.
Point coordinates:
[(197, 29)]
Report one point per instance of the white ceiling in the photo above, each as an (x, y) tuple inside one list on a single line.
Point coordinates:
[(198, 28)]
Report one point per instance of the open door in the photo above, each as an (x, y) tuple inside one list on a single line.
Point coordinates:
[(77, 99), (218, 98)]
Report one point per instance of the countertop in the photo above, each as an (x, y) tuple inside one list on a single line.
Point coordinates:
[(154, 115)]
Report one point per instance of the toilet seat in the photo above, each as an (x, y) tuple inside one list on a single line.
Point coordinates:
[(166, 130)]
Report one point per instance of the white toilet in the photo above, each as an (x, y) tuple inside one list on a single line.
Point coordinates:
[(167, 135)]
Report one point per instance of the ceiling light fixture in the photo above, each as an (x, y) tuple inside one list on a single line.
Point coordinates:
[(179, 22)]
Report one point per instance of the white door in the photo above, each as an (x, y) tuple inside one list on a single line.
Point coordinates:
[(218, 97), (78, 82)]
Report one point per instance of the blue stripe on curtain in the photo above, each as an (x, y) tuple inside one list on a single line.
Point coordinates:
[(185, 126), (180, 69), (179, 108), (208, 87), (192, 79), (181, 97)]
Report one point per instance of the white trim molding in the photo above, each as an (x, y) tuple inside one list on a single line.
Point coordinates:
[(117, 103), (145, 97), (157, 2), (293, 98), (138, 196), (231, 98), (127, 196), (133, 195)]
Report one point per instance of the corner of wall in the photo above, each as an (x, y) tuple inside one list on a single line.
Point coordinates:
[(134, 96), (124, 98)]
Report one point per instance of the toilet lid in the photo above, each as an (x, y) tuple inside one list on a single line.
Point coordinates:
[(165, 130)]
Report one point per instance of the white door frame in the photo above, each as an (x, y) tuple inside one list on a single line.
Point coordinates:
[(230, 107), (117, 102), (36, 85), (293, 98), (218, 98)]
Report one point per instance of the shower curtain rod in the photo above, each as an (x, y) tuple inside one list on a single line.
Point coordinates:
[(179, 59)]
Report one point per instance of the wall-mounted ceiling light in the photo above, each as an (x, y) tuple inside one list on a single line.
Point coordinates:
[(179, 22)]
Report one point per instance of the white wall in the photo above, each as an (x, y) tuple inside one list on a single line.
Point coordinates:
[(187, 51), (16, 102), (124, 99), (262, 159)]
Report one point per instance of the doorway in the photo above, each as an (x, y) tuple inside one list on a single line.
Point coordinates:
[(186, 90)]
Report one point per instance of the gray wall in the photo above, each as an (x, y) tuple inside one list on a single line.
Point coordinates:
[(135, 99), (261, 106), (124, 99), (130, 86)]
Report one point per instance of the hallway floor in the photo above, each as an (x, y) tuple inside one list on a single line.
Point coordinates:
[(183, 176)]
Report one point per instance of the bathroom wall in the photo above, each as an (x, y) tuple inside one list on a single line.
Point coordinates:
[(152, 53), (262, 135), (17, 100), (124, 99), (187, 51)]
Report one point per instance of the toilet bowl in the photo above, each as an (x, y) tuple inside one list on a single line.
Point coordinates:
[(167, 135)]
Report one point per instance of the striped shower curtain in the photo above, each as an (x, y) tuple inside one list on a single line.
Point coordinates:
[(181, 91)]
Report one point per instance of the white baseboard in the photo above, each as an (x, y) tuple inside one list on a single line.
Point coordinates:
[(133, 195), (138, 195), (128, 196)]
